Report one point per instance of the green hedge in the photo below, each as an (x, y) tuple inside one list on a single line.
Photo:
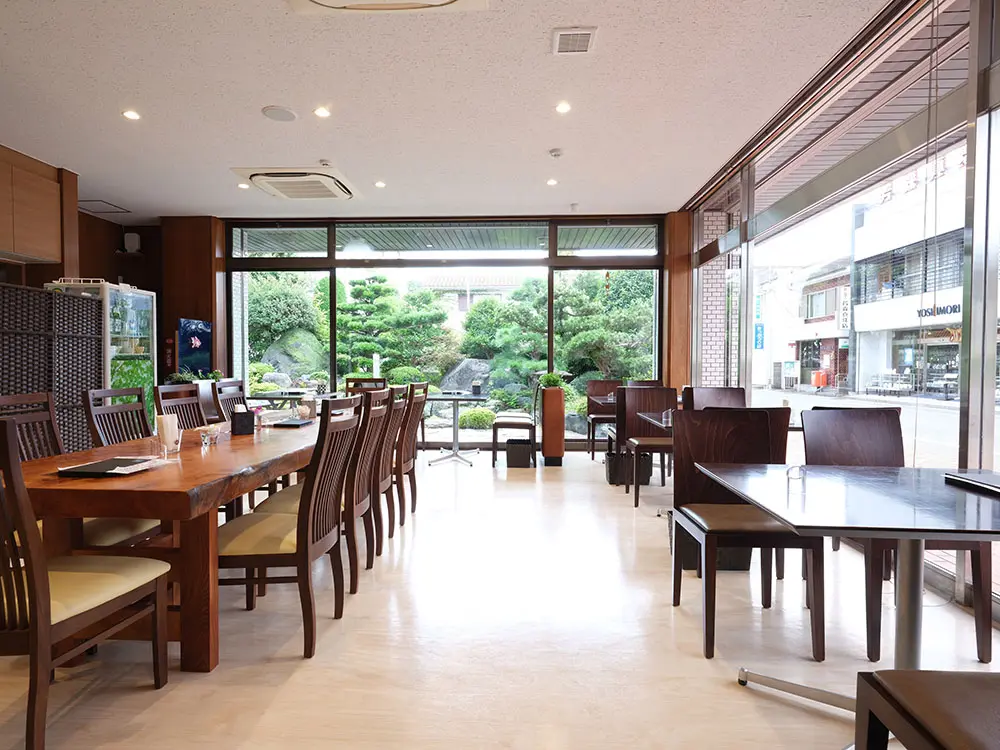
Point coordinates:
[(476, 419)]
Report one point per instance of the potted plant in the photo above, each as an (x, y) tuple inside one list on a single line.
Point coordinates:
[(553, 418)]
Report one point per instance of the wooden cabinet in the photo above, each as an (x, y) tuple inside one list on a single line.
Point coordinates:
[(37, 216), (6, 208)]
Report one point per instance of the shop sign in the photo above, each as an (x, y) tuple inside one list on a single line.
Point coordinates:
[(758, 335), (844, 308), (930, 312)]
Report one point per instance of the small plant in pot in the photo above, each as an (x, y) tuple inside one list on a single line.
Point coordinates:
[(553, 418)]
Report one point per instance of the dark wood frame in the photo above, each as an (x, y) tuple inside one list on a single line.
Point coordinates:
[(598, 415), (382, 476), (318, 522), (226, 394), (37, 429), (111, 424), (406, 447), (27, 628), (183, 400), (879, 713)]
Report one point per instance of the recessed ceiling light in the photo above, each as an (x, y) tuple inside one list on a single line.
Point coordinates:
[(552, 183), (429, 245), (278, 113), (322, 112), (563, 107), (131, 114), (243, 186), (380, 184)]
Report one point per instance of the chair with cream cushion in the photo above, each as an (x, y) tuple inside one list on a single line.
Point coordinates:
[(46, 604), (34, 419), (259, 541)]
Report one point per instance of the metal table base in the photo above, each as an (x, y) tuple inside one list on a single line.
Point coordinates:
[(909, 626), (454, 453)]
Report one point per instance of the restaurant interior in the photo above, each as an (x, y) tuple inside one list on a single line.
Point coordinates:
[(476, 373)]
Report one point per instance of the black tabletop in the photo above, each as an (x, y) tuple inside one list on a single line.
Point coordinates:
[(457, 397), (863, 502), (662, 419)]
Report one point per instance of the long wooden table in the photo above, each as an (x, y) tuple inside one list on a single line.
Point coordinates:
[(186, 494)]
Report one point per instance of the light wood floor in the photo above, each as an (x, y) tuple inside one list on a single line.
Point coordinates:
[(518, 609)]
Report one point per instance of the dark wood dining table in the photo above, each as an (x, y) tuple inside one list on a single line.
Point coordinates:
[(664, 420), (907, 504), (185, 495)]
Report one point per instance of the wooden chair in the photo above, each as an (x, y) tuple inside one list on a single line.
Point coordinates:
[(517, 421), (715, 518), (259, 541), (873, 437), (598, 414), (629, 401), (927, 710), (406, 447), (34, 414), (643, 437), (701, 398), (358, 495), (382, 476), (119, 421), (34, 419), (358, 385), (227, 394), (49, 601), (181, 400)]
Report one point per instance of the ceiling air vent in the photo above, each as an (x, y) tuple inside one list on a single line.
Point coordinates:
[(575, 41), (329, 7), (299, 184), (101, 207)]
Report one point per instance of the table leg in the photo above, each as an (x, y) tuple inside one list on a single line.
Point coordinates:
[(909, 603), (454, 454), (199, 574)]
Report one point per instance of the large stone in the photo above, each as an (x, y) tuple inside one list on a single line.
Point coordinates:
[(297, 353), (460, 377), (280, 379)]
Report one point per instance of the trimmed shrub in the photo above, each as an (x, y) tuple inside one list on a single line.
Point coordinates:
[(405, 375), (476, 419)]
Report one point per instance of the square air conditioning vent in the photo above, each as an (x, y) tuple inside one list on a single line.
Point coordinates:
[(321, 183), (340, 7), (575, 41)]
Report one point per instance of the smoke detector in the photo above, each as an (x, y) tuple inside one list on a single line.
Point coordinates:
[(310, 183), (578, 40), (330, 7)]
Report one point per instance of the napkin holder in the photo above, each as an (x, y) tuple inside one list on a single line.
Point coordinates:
[(243, 422)]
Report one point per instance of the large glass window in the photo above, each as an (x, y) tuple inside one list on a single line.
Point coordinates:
[(422, 241), (280, 242), (282, 330), (605, 328)]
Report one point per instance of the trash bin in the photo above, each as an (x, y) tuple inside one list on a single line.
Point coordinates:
[(520, 453)]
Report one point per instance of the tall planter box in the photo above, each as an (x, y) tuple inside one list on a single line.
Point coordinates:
[(553, 425)]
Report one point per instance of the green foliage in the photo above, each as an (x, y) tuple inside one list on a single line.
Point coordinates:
[(182, 377), (476, 419), (278, 303), (551, 380), (482, 322), (404, 375), (255, 388), (257, 371)]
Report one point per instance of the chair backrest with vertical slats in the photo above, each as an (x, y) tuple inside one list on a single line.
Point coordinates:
[(120, 420), (34, 417), (181, 400), (359, 385), (390, 435), (322, 494), (375, 409), (227, 394), (729, 436), (406, 445), (24, 587), (853, 437), (597, 388)]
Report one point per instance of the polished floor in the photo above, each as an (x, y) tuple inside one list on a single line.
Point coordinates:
[(518, 609)]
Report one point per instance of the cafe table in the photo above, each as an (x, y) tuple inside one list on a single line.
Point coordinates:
[(185, 494), (907, 504), (455, 398)]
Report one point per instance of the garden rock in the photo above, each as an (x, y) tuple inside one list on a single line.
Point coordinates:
[(576, 424), (280, 379), (460, 377), (298, 353)]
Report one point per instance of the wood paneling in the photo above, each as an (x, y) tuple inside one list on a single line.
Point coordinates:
[(21, 161), (677, 341), (6, 208), (69, 218), (37, 216), (99, 239), (194, 278)]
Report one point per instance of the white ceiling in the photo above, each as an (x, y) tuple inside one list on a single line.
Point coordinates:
[(454, 111)]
